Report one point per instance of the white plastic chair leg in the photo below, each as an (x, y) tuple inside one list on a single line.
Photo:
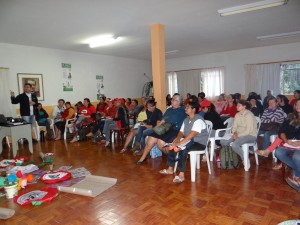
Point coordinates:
[(245, 148), (208, 162), (256, 156), (212, 148), (176, 163), (193, 167), (198, 161)]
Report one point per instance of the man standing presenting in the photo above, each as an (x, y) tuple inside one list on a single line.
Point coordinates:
[(28, 102)]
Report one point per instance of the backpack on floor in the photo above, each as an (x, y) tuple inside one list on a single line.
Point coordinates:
[(82, 134), (229, 159)]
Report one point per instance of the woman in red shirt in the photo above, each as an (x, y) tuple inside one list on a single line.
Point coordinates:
[(230, 107), (86, 115)]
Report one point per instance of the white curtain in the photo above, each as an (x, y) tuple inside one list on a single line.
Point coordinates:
[(6, 107), (262, 77), (188, 82), (213, 82), (172, 84)]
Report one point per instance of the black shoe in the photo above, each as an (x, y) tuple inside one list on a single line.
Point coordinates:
[(292, 185), (141, 162), (34, 141)]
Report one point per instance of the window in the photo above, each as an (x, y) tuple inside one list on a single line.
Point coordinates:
[(289, 78), (210, 81)]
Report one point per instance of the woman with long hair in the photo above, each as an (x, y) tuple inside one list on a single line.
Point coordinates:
[(288, 142)]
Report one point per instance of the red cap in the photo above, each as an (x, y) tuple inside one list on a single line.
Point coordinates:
[(205, 103)]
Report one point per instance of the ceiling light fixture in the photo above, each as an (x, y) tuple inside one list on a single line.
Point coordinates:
[(102, 40), (171, 52), (251, 7), (281, 35)]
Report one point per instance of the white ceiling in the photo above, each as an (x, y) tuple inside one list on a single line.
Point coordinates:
[(191, 26)]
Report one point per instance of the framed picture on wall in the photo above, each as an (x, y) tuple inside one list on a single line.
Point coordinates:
[(36, 80)]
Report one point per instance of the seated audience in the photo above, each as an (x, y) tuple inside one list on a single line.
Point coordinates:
[(266, 99), (271, 119), (128, 104), (118, 122), (210, 114), (296, 97), (288, 150), (102, 106), (59, 127), (244, 129), (86, 115), (192, 136), (253, 106), (237, 96), (229, 109), (201, 97), (58, 111), (283, 103), (111, 109), (168, 99), (153, 116), (135, 108), (174, 117), (186, 101), (109, 113), (258, 100), (41, 117), (220, 103)]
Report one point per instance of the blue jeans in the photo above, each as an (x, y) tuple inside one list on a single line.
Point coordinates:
[(99, 126), (146, 133), (266, 139), (46, 124), (29, 119), (182, 155), (289, 157)]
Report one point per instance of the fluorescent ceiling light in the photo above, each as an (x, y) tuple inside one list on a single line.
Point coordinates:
[(281, 35), (172, 52), (251, 7), (102, 40)]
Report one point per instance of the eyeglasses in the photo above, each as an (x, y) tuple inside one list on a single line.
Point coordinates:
[(176, 100)]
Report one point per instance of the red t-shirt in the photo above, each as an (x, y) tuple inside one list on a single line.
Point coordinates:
[(87, 111), (102, 107), (111, 112), (230, 110)]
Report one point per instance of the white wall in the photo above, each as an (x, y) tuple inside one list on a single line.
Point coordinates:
[(234, 62), (123, 77)]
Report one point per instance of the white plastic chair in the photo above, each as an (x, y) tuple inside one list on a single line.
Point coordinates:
[(195, 155), (272, 139), (68, 128), (217, 136), (38, 128), (246, 146)]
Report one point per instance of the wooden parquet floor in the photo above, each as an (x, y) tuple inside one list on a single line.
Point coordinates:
[(143, 196)]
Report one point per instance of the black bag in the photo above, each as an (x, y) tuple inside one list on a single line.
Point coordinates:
[(50, 135), (229, 159), (82, 134), (272, 126)]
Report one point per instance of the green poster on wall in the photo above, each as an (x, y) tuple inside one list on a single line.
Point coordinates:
[(99, 86), (67, 77)]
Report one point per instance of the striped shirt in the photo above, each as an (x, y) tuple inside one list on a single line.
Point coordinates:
[(269, 115)]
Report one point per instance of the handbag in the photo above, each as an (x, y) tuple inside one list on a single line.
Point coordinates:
[(162, 129), (272, 126)]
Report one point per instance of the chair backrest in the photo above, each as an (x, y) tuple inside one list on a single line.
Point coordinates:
[(209, 126), (258, 123), (229, 122)]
